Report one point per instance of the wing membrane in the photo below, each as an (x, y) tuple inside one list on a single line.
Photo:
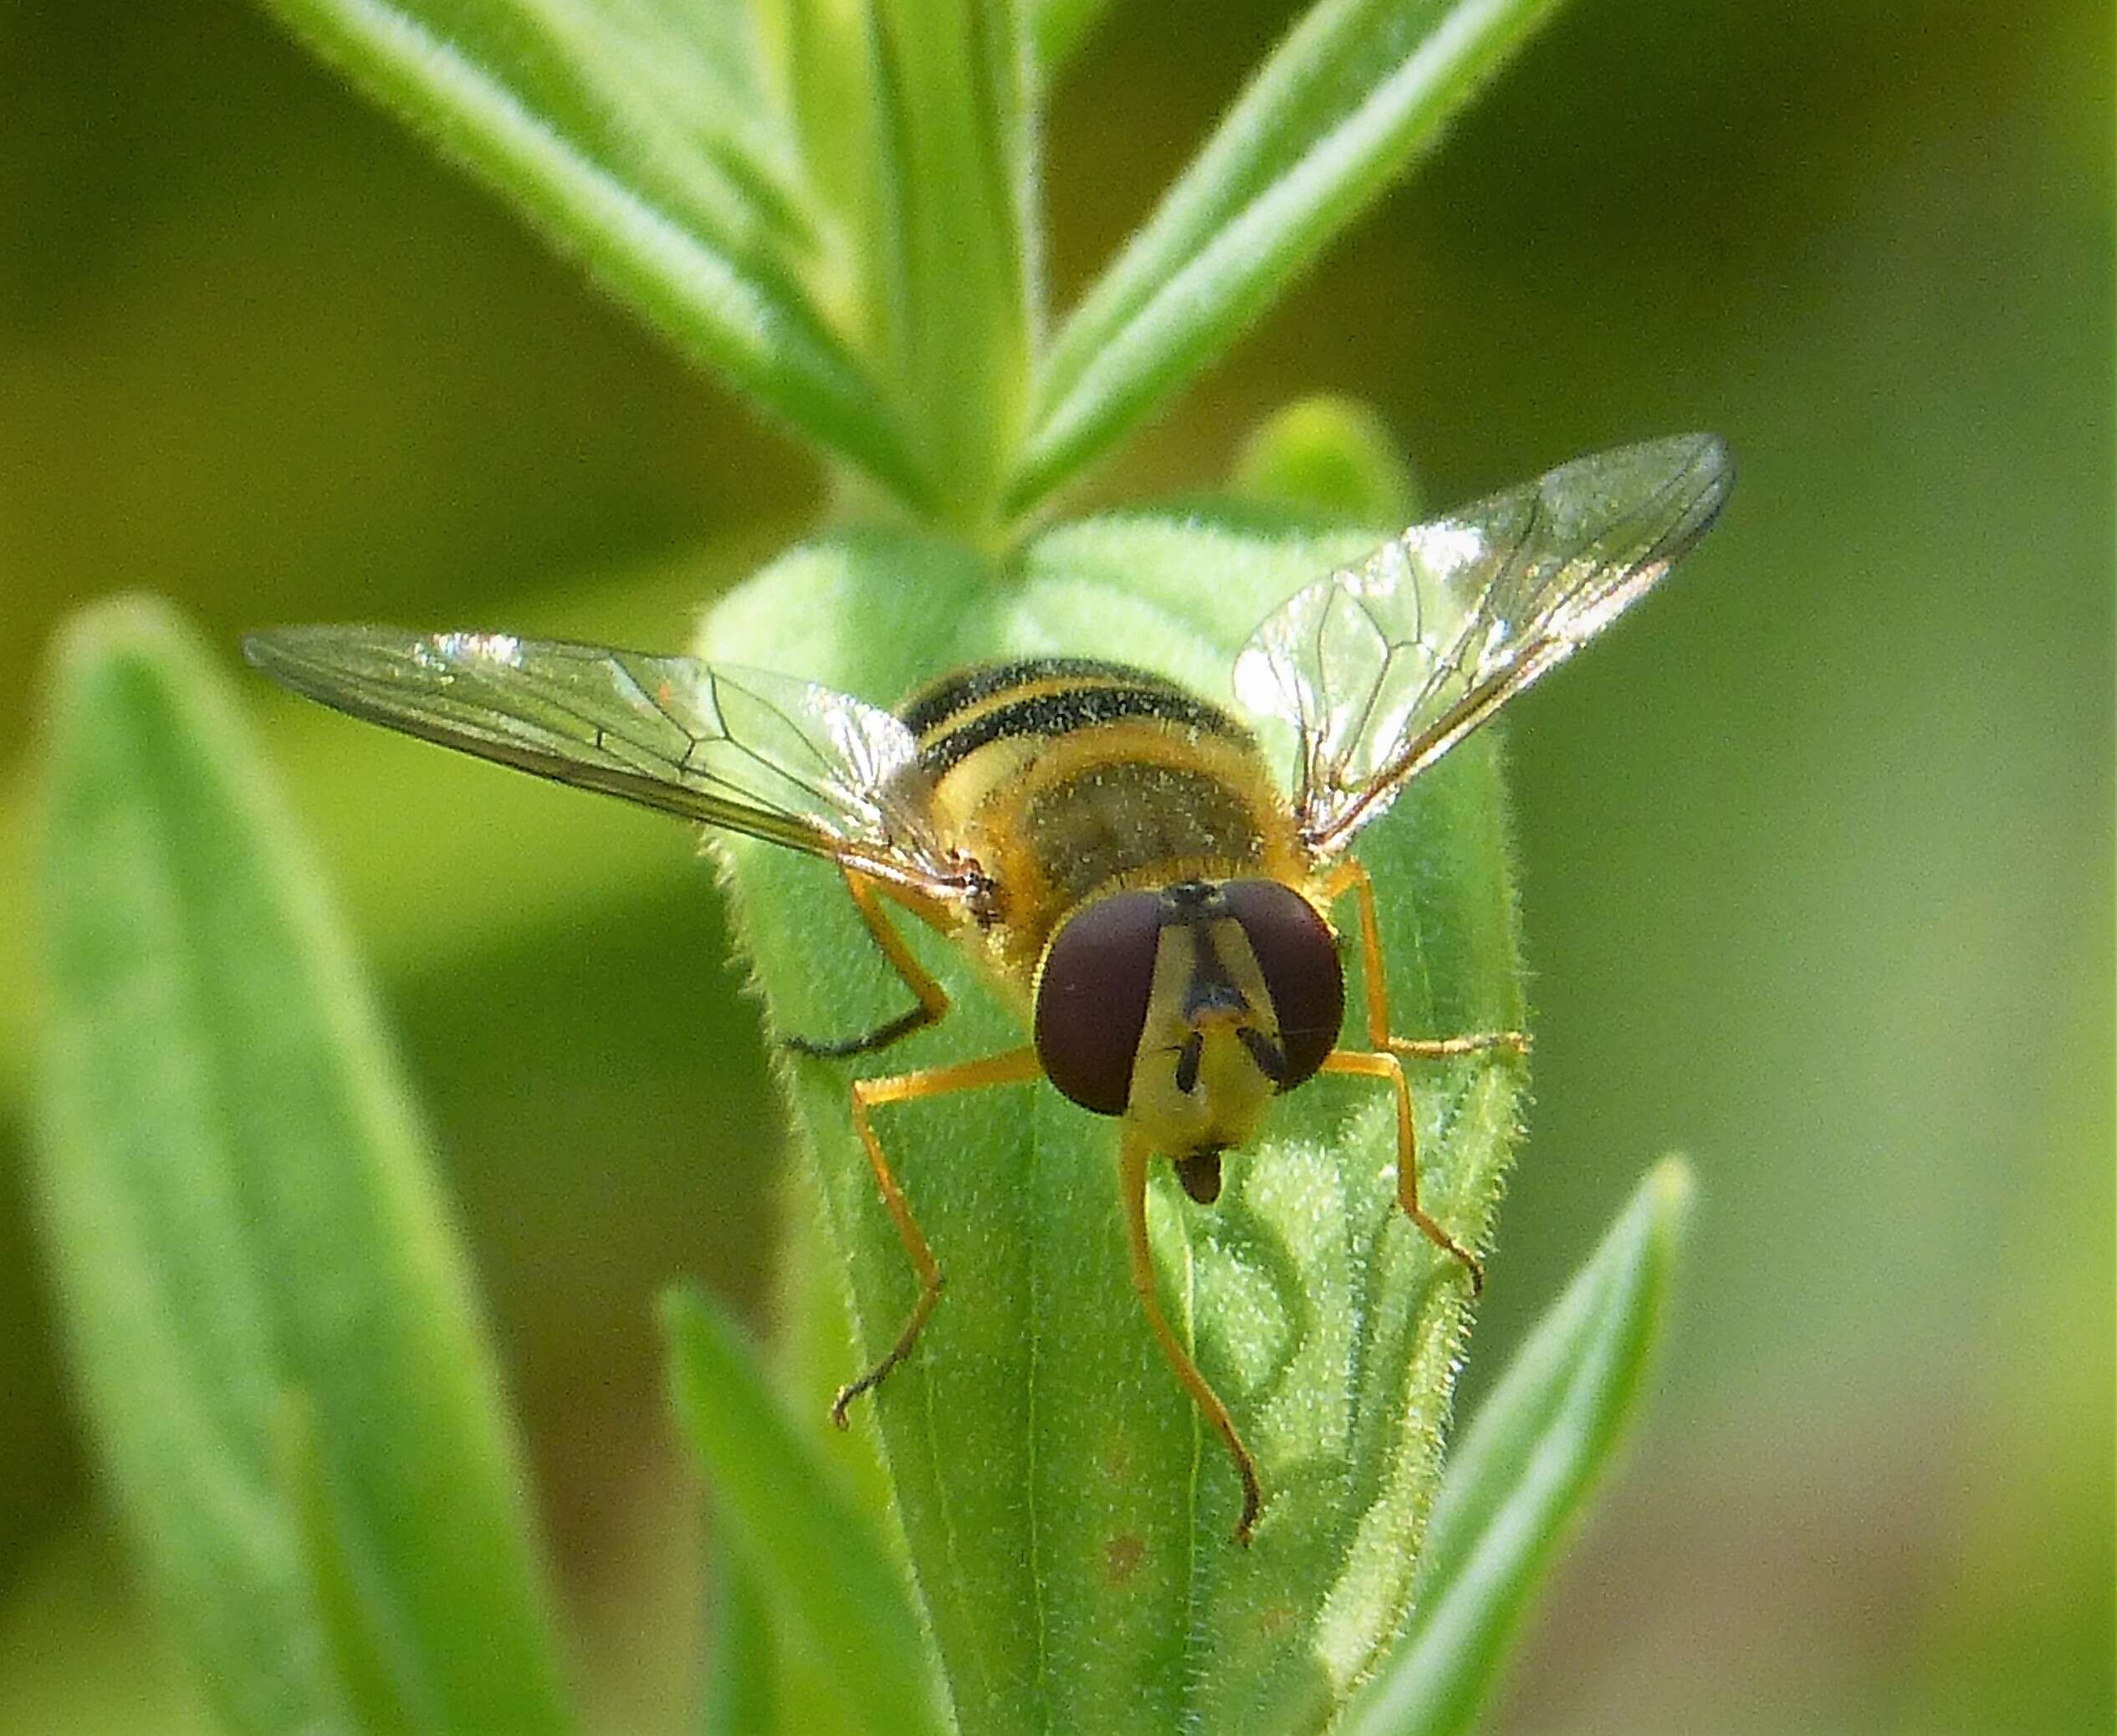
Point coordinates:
[(759, 754), (1382, 667)]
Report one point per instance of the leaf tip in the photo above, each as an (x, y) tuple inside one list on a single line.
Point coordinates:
[(677, 1308), (129, 621), (132, 633), (1670, 1193), (1334, 454), (1673, 1183)]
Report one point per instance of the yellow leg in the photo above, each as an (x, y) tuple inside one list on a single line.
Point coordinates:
[(1380, 1060), (1380, 1064), (1349, 877), (1013, 1067), (933, 998), (1134, 1154)]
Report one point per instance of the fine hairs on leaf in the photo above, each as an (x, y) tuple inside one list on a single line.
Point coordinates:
[(1523, 1468)]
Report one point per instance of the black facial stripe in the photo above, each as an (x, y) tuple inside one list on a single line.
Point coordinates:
[(1194, 904), (1270, 1057), (1211, 989), (1187, 1060), (1078, 708)]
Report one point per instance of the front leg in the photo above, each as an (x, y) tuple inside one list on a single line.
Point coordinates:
[(1133, 1155), (1380, 1064), (1379, 1060), (1349, 877), (1016, 1066)]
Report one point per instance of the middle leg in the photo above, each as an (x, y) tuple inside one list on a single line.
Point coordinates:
[(932, 999)]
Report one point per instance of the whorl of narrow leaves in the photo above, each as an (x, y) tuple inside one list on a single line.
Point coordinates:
[(834, 207)]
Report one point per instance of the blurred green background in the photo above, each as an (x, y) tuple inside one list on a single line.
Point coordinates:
[(1817, 853)]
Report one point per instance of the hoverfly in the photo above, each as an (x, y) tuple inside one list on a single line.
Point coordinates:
[(1118, 853)]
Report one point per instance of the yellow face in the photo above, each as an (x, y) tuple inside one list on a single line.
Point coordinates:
[(1210, 1056)]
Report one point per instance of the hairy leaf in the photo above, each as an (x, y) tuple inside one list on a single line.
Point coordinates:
[(1068, 1519), (1517, 1481), (952, 287)]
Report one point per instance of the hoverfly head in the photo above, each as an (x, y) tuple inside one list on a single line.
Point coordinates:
[(1188, 1008)]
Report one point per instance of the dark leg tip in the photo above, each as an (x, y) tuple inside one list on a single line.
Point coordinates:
[(1473, 1268), (846, 1048)]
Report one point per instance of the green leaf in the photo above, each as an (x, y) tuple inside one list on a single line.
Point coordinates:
[(381, 1684), (1328, 455), (952, 287), (739, 1697), (242, 1219), (1516, 1484), (800, 1538), (816, 52), (1060, 27), (1068, 1519), (636, 134), (1342, 105)]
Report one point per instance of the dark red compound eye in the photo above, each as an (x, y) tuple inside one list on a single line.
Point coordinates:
[(1299, 962), (1091, 998)]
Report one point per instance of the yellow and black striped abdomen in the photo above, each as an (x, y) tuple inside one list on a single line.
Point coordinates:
[(1066, 776)]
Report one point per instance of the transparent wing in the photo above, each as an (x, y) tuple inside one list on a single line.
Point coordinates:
[(759, 754), (1382, 668)]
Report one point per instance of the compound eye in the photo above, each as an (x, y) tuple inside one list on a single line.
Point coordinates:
[(1091, 998), (1298, 959)]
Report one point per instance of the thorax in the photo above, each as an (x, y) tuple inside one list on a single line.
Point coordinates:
[(1065, 778)]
